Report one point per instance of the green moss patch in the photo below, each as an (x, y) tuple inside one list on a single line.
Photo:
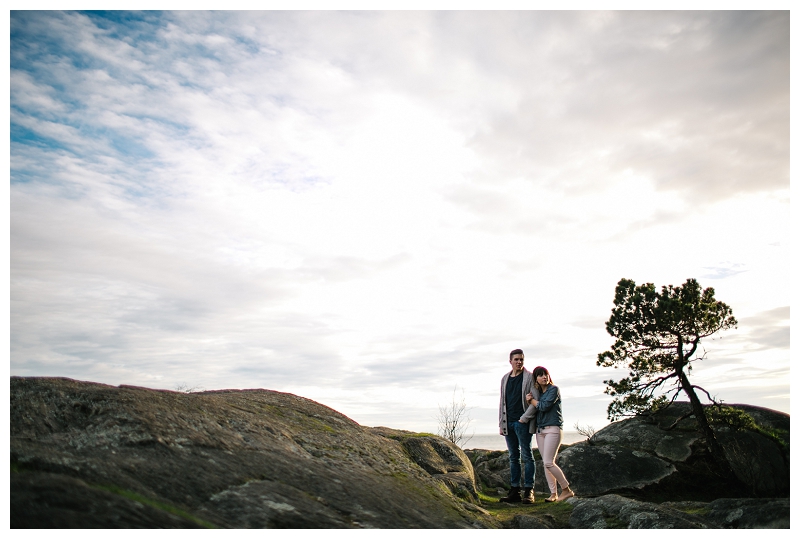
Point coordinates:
[(506, 512), (154, 503)]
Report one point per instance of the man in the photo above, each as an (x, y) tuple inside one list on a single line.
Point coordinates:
[(513, 388)]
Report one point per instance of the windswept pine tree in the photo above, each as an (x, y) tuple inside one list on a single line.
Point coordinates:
[(657, 339)]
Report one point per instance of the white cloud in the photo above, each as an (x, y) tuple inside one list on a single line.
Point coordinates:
[(368, 208)]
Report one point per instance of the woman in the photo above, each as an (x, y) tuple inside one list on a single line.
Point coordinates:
[(548, 432)]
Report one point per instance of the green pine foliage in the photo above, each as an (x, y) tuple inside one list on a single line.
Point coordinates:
[(657, 336)]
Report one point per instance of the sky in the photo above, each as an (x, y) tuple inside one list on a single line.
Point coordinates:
[(371, 209)]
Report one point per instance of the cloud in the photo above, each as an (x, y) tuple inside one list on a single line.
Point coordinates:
[(726, 269), (370, 207), (589, 323), (667, 96), (768, 330)]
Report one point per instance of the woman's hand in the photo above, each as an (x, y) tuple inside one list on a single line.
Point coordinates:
[(530, 400)]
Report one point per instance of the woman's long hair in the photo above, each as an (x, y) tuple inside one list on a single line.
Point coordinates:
[(538, 371)]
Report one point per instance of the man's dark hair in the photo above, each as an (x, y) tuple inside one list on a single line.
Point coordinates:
[(516, 351)]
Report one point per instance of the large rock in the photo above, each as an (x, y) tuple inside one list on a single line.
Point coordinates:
[(640, 435), (638, 458), (613, 511), (760, 460), (96, 456), (637, 469), (749, 513), (757, 462), (441, 458), (491, 468), (493, 471), (593, 470), (71, 503)]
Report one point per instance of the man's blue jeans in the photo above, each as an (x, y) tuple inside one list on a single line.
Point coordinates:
[(520, 439)]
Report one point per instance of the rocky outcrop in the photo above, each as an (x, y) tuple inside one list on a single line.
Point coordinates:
[(612, 511), (749, 513), (533, 522), (442, 459), (597, 469), (46, 500), (491, 468), (675, 465), (494, 475), (637, 469), (639, 459), (96, 456)]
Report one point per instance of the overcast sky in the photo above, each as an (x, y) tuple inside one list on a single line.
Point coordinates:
[(370, 209)]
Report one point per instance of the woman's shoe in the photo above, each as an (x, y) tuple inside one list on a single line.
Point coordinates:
[(565, 494), (552, 498)]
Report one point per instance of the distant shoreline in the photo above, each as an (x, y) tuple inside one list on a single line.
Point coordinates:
[(496, 442)]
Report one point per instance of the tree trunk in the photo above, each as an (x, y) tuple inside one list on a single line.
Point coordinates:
[(716, 450)]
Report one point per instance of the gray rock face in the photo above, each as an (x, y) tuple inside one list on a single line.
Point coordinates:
[(442, 459), (92, 455), (71, 503), (757, 462), (597, 469), (673, 446), (491, 468), (533, 522), (493, 472), (749, 513), (612, 511)]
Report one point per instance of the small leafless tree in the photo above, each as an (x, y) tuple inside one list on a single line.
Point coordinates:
[(454, 420)]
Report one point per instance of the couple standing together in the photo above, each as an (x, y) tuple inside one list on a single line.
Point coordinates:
[(530, 404)]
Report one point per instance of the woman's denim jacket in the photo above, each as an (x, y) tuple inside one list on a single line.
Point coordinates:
[(549, 409)]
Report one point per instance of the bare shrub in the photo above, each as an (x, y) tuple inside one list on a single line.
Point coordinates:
[(587, 431), (454, 420)]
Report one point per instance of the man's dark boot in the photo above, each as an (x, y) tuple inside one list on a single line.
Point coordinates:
[(513, 496), (527, 495)]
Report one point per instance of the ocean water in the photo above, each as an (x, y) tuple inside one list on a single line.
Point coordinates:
[(497, 442)]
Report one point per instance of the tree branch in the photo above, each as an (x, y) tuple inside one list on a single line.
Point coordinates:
[(675, 424), (712, 399)]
